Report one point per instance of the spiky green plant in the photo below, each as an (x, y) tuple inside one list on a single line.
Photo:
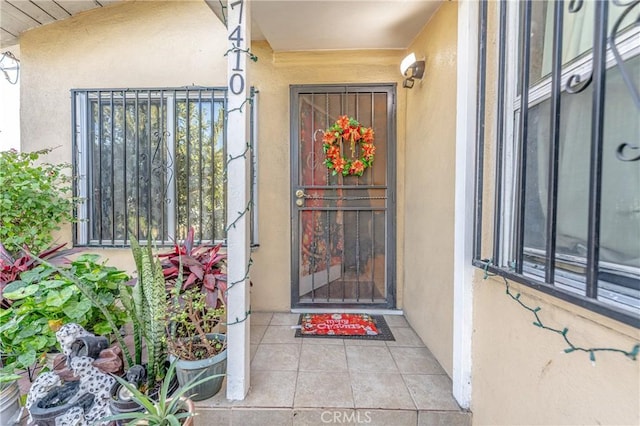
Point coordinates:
[(149, 301)]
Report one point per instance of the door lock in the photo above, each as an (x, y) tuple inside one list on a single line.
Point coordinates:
[(300, 193)]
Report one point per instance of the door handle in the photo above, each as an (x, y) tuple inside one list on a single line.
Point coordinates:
[(300, 193)]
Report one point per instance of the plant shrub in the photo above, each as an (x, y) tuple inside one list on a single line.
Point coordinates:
[(43, 300), (35, 198)]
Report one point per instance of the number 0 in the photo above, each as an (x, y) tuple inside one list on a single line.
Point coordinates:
[(232, 84)]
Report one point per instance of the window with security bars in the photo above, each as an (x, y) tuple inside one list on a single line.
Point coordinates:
[(564, 204), (150, 163)]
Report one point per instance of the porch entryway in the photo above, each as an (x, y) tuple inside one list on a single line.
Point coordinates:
[(319, 381), (343, 227)]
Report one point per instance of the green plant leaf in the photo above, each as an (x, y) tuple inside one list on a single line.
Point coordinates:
[(58, 298), (77, 309), (19, 290), (50, 284), (173, 421), (102, 328), (9, 377), (27, 359), (26, 332)]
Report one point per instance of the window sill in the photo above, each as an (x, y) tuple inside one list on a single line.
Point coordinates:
[(583, 302)]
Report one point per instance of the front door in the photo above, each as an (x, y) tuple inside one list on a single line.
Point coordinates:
[(343, 227)]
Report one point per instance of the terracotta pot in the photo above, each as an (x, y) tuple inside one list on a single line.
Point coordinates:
[(191, 407)]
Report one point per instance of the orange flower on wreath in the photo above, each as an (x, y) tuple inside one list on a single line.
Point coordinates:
[(333, 152), (368, 150), (339, 164), (346, 136), (357, 168), (329, 138)]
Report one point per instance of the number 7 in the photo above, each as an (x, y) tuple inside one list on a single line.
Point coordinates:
[(241, 3)]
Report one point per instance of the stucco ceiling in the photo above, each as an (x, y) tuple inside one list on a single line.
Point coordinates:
[(287, 25)]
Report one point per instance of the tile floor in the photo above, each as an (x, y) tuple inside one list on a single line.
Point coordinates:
[(312, 381)]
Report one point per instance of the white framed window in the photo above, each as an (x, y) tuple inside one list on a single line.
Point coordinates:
[(567, 198), (150, 163)]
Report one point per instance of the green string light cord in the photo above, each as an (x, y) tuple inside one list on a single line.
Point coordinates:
[(243, 155), (222, 9), (633, 354), (246, 101), (235, 49)]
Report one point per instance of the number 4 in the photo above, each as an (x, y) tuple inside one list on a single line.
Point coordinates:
[(236, 36)]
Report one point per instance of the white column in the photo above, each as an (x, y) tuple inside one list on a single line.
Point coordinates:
[(464, 199), (238, 184)]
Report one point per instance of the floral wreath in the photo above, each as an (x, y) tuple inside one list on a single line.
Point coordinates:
[(344, 130)]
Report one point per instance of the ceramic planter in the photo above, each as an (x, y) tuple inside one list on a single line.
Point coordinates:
[(10, 410), (188, 370)]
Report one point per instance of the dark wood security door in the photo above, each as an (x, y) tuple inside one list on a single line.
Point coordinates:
[(343, 227)]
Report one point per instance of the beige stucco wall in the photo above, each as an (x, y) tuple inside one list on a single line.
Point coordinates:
[(167, 44), (521, 375), (429, 187)]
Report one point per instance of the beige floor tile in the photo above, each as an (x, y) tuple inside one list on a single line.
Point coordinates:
[(270, 389), (380, 390), (363, 342), (207, 417), (323, 358), (405, 336), (280, 334), (256, 332), (444, 418), (323, 389), (431, 392), (396, 321), (261, 417), (280, 357), (415, 361), (281, 318), (370, 359), (323, 416), (261, 318), (334, 341), (218, 400), (386, 417), (252, 351)]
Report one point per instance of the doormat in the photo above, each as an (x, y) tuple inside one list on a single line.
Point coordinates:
[(344, 326)]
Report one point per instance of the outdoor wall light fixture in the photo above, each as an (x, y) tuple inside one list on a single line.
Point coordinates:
[(411, 68), (10, 67)]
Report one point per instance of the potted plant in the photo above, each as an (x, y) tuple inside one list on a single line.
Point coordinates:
[(147, 304), (166, 409), (202, 267), (195, 342), (196, 281), (42, 297), (10, 410)]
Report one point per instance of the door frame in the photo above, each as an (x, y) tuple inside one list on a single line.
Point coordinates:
[(391, 207)]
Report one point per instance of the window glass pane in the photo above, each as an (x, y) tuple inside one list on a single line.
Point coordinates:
[(620, 228), (200, 168), (620, 221), (541, 35), (577, 33), (536, 183)]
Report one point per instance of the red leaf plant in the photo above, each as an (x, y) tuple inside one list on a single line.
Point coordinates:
[(203, 267)]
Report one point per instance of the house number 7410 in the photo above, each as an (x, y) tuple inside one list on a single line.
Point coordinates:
[(236, 81)]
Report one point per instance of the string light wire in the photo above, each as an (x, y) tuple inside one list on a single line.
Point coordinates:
[(564, 332)]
